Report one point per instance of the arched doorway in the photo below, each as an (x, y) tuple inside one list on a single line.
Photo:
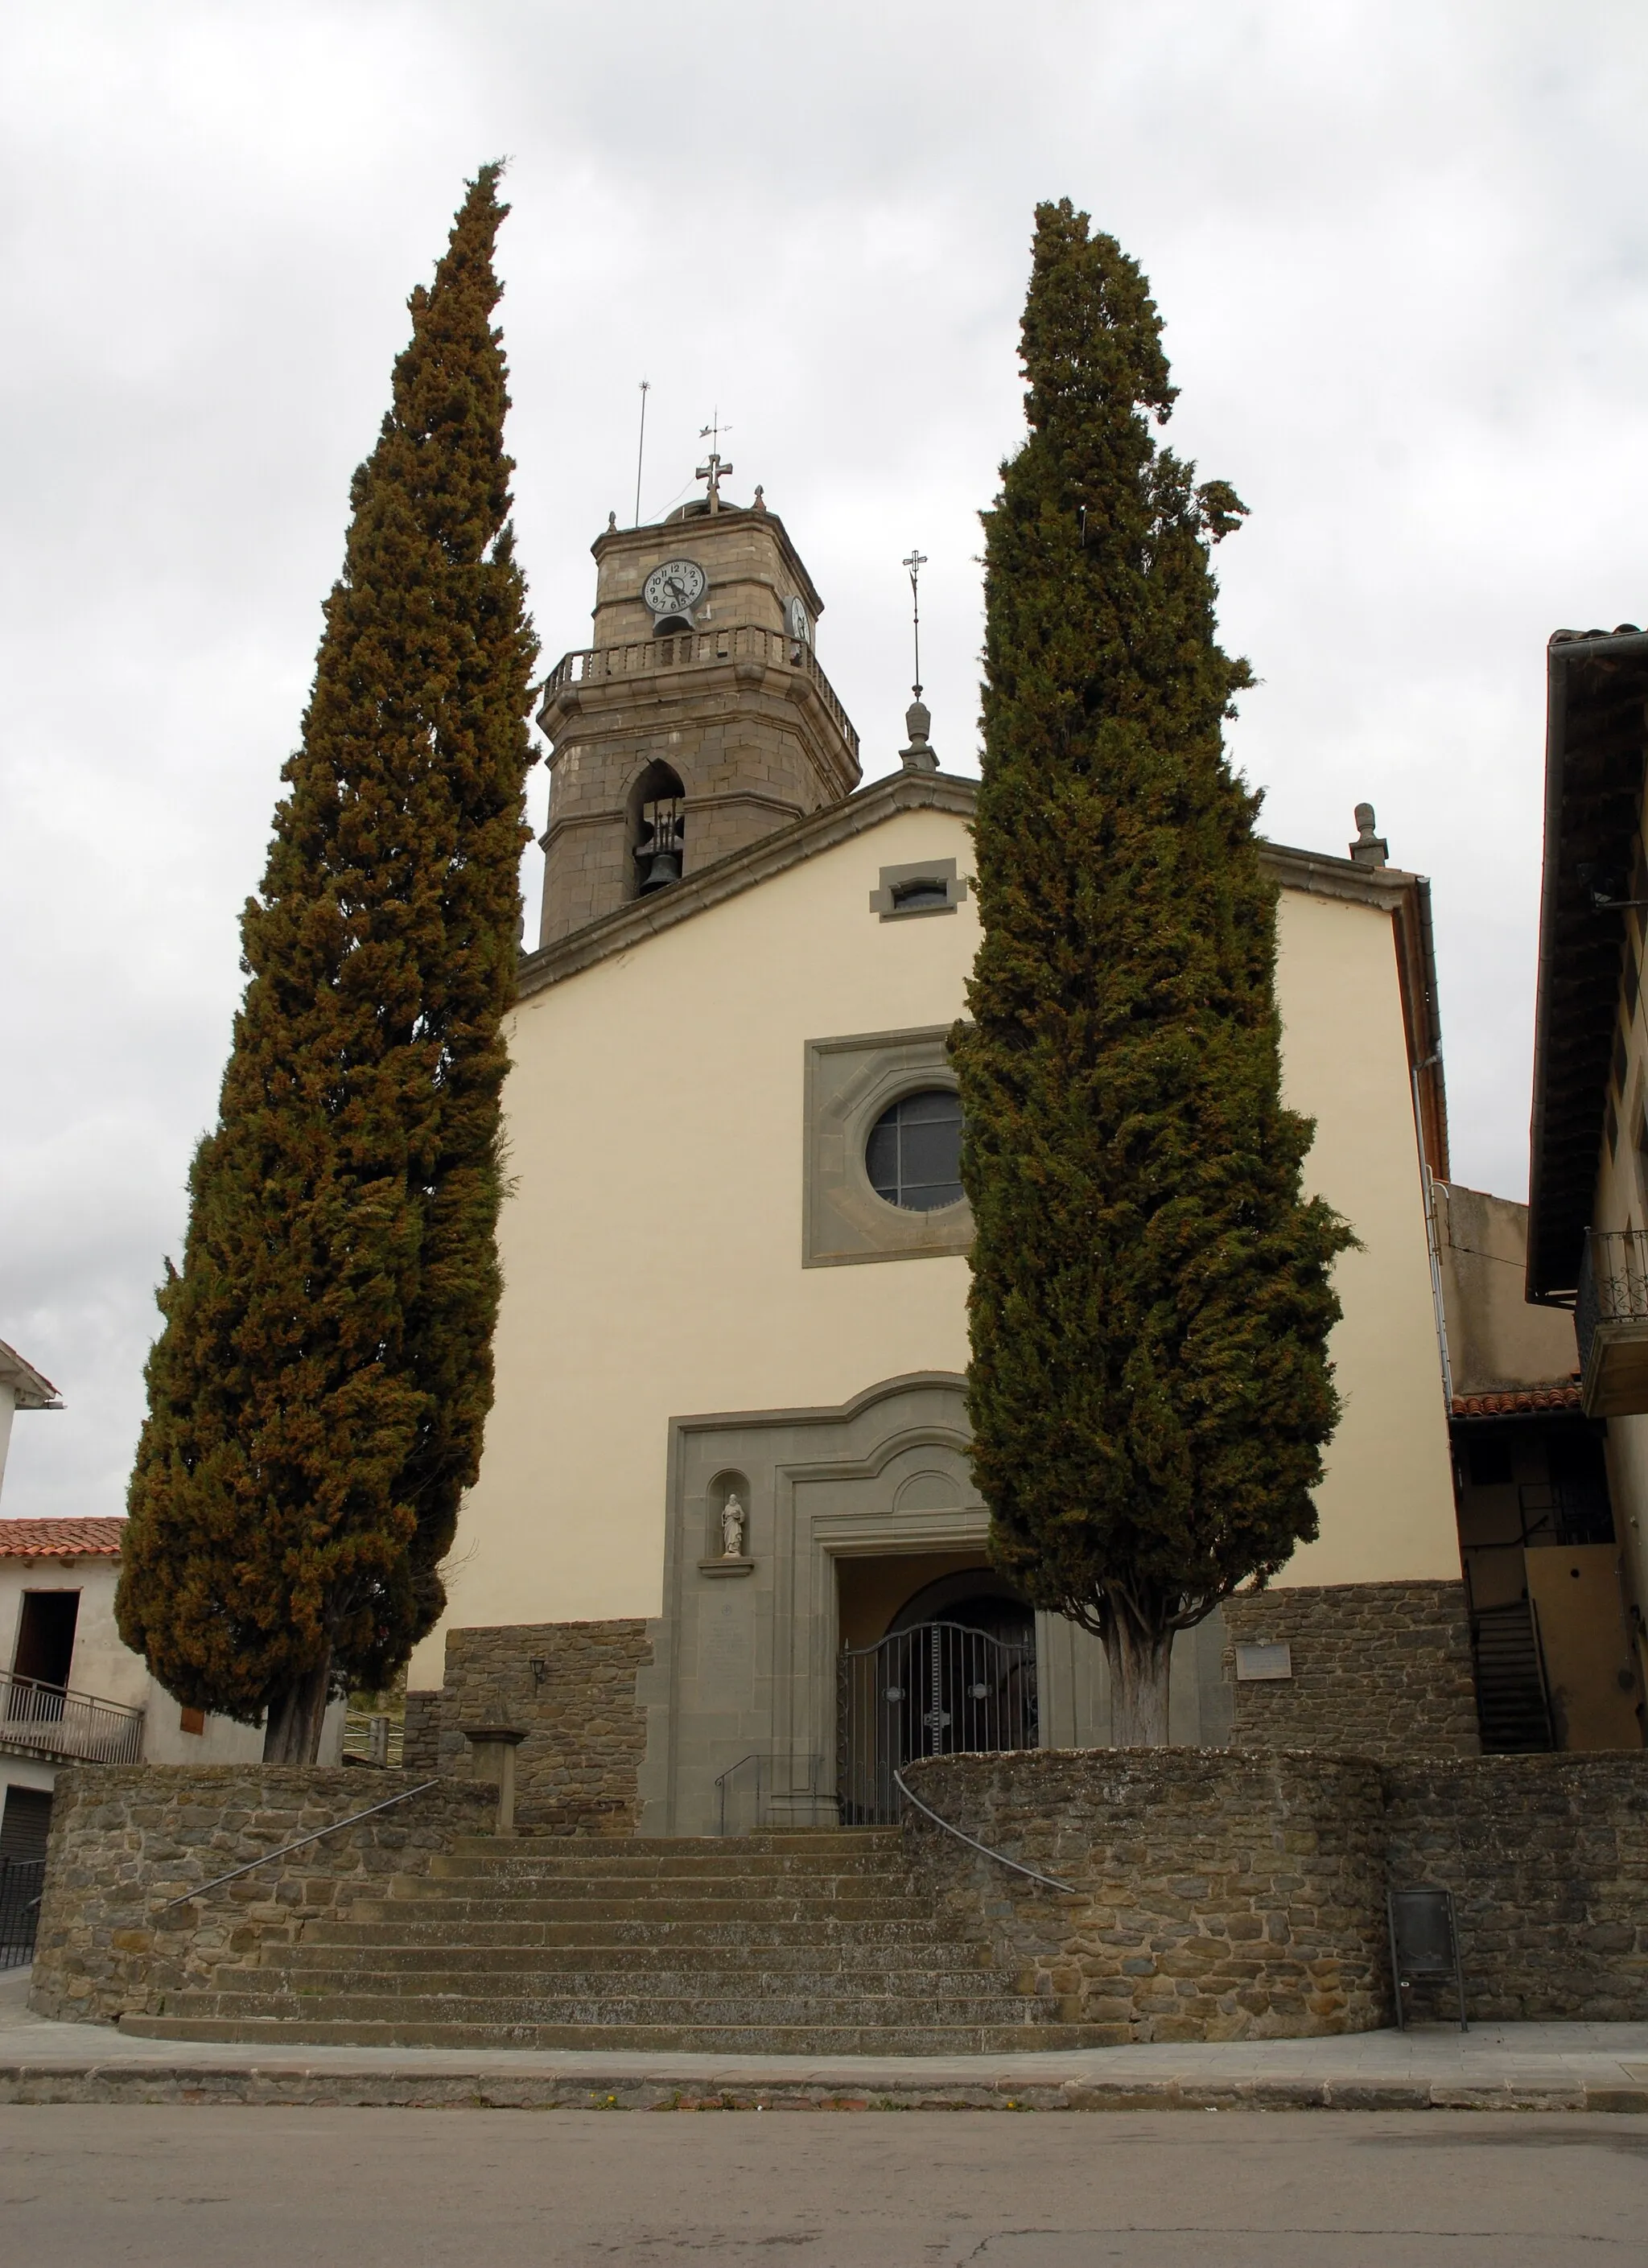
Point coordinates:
[(955, 1673)]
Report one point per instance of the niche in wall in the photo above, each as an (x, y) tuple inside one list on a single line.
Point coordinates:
[(722, 1489)]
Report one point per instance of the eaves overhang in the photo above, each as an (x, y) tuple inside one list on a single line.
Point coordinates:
[(32, 1390), (1595, 737)]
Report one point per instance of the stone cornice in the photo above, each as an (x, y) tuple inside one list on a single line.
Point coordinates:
[(1385, 887)]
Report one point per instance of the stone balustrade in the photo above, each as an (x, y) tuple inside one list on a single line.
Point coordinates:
[(700, 650)]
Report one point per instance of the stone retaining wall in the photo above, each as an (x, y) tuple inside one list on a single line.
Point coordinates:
[(1379, 1669), (578, 1770), (126, 1838), (1218, 1895), (1547, 1857)]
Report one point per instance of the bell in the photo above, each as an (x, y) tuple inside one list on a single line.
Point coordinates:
[(664, 866)]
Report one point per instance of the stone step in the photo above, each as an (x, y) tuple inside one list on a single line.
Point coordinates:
[(508, 1884), (503, 1863), (647, 1959), (603, 2011), (808, 1842), (690, 2039), (453, 1913), (605, 1930), (919, 1986)]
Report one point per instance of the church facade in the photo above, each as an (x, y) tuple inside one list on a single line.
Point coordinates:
[(724, 1560)]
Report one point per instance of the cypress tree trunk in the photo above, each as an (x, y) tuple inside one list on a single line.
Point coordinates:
[(317, 1393), (292, 1735), (1151, 1294)]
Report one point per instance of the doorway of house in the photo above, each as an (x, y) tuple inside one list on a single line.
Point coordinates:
[(955, 1672), (40, 1662)]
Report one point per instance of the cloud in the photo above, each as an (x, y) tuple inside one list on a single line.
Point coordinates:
[(1401, 253)]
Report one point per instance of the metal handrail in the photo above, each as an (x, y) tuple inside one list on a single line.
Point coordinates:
[(1000, 1857), (62, 1722), (269, 1856), (758, 1757)]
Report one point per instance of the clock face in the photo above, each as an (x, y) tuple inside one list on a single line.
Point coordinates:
[(675, 587), (800, 628)]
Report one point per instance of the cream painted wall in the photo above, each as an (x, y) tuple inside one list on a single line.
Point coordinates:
[(652, 1249), (1386, 1504), (651, 1245)]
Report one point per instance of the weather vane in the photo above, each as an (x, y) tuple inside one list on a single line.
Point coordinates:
[(915, 563), (714, 472)]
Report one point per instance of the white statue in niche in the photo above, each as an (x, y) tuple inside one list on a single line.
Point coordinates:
[(732, 1529)]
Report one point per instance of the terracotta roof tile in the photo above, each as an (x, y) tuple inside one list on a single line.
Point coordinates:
[(1520, 1401), (61, 1539)]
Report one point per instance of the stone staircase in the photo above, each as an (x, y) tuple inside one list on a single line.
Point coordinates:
[(1510, 1705), (815, 1943)]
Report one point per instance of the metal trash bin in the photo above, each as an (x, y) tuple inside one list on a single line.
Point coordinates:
[(1424, 1942)]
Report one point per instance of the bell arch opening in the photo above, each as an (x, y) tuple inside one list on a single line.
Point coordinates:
[(657, 828)]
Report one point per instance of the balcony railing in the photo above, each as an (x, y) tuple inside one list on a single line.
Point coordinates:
[(700, 650), (1611, 1322), (50, 1721)]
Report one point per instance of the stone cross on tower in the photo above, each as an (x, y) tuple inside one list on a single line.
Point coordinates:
[(715, 471)]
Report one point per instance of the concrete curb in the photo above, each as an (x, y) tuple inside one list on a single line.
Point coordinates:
[(299, 2086)]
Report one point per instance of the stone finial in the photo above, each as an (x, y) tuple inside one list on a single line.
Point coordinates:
[(760, 504), (1369, 848), (919, 757), (613, 523)]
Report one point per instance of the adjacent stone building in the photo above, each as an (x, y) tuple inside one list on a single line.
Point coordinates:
[(1588, 1241), (725, 1558)]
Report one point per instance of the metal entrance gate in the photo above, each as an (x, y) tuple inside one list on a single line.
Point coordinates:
[(938, 1689)]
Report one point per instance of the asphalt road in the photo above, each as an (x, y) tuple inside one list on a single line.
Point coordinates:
[(182, 2187)]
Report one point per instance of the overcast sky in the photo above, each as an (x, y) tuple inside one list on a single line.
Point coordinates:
[(1401, 250)]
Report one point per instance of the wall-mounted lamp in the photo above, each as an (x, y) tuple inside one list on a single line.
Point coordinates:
[(540, 1670)]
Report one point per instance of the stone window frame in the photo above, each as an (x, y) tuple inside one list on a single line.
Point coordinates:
[(849, 1082), (883, 900)]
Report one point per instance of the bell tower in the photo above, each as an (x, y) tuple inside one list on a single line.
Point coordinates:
[(698, 719)]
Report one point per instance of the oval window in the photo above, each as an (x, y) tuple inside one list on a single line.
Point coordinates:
[(914, 1154)]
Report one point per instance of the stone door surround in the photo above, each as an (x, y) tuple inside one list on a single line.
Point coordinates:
[(750, 1666)]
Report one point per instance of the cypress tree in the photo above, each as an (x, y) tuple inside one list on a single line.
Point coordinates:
[(317, 1393), (1151, 1296)]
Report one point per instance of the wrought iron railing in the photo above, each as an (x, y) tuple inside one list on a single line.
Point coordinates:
[(21, 1882), (54, 1720), (1565, 1512), (938, 1689), (1613, 1283), (697, 650)]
